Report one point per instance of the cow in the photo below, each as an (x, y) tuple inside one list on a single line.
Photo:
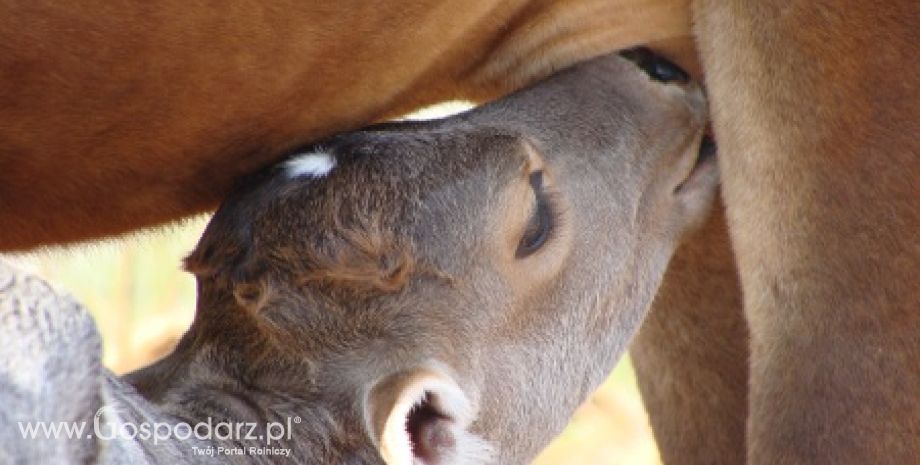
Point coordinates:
[(794, 303), (395, 295)]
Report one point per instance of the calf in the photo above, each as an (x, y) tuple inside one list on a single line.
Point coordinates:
[(442, 292)]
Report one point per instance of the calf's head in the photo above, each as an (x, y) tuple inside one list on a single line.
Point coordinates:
[(447, 292)]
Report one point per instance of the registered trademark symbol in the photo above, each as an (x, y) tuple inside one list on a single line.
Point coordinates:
[(296, 419)]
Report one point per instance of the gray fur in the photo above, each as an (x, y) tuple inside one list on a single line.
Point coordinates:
[(313, 292)]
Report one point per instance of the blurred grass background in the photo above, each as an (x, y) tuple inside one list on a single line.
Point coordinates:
[(143, 302)]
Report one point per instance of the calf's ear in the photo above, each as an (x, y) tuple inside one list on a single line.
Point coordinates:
[(422, 417)]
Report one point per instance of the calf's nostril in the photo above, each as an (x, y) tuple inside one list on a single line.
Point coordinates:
[(655, 66), (707, 152), (708, 149)]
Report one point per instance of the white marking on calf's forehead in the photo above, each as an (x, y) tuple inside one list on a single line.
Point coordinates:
[(313, 164)]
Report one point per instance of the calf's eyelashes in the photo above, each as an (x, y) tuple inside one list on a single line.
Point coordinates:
[(542, 221)]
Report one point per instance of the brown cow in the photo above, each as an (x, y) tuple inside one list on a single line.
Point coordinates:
[(443, 292), (117, 115)]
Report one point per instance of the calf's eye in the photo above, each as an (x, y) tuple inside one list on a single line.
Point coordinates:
[(540, 226), (658, 68)]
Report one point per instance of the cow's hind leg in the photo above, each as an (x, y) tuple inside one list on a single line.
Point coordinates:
[(816, 106), (691, 355)]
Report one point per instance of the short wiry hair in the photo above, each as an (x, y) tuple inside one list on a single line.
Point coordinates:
[(347, 227), (365, 259), (347, 241)]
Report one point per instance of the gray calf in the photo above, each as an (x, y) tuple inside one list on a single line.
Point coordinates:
[(441, 292)]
